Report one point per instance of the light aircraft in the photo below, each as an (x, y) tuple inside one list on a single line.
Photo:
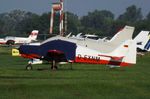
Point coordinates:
[(121, 51), (143, 41), (20, 40), (80, 36), (86, 36)]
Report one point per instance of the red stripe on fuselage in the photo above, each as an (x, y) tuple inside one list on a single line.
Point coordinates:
[(84, 60), (96, 61), (2, 43), (31, 56)]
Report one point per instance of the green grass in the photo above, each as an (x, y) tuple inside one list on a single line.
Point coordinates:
[(83, 82)]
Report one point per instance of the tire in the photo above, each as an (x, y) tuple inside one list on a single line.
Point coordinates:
[(29, 67), (10, 42)]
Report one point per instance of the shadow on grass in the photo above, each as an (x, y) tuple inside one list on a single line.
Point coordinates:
[(16, 77), (40, 78)]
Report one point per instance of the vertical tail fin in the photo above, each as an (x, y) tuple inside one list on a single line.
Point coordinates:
[(33, 35), (125, 34), (130, 57), (147, 46), (126, 53), (142, 40)]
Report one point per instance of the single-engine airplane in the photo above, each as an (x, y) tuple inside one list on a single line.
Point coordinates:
[(121, 51), (9, 40)]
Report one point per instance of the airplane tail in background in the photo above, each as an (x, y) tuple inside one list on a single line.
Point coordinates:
[(142, 40), (125, 34), (147, 46), (33, 35)]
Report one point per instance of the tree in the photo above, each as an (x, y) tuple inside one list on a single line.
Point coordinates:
[(143, 24), (1, 24), (99, 22), (73, 23), (29, 23), (132, 14), (11, 22), (148, 16)]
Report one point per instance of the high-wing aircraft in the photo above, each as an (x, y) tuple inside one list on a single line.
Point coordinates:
[(143, 41), (119, 52), (9, 40)]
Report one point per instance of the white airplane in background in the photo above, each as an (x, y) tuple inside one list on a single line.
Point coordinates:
[(122, 33), (81, 36), (20, 40), (121, 51), (143, 41)]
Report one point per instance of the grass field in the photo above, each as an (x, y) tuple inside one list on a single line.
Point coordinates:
[(83, 82)]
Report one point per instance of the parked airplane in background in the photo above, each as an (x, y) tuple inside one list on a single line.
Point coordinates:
[(20, 40), (119, 52), (81, 36), (86, 36), (143, 41), (120, 33)]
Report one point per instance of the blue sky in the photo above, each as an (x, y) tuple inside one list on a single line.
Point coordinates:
[(79, 7)]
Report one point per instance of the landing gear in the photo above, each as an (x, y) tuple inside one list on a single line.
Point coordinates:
[(54, 65), (10, 42), (29, 67), (71, 66), (112, 66)]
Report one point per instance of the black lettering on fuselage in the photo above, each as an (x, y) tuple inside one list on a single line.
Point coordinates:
[(89, 57)]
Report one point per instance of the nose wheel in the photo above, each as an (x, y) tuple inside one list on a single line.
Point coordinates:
[(29, 67)]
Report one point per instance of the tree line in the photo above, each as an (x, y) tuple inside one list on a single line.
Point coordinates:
[(99, 22)]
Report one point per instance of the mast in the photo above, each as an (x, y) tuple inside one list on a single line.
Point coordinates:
[(57, 7)]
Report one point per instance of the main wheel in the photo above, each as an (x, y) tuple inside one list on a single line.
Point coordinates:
[(10, 42), (29, 67)]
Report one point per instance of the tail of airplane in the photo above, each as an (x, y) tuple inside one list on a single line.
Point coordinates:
[(147, 46), (130, 56), (125, 34), (33, 35), (128, 52), (123, 55), (142, 40)]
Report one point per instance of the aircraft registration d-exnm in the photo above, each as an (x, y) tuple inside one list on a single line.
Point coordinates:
[(121, 51)]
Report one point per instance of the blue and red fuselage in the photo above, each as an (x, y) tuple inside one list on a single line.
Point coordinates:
[(53, 50)]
